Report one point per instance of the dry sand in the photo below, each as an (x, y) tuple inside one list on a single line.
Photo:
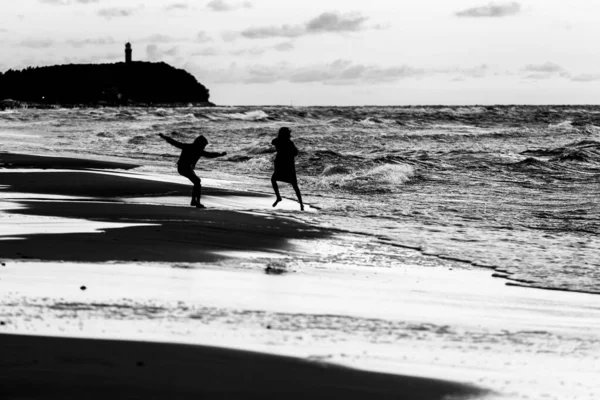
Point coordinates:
[(133, 262)]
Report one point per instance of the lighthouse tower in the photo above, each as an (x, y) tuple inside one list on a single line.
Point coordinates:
[(128, 52)]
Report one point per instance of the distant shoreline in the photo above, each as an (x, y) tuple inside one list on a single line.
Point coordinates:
[(15, 105), (117, 84)]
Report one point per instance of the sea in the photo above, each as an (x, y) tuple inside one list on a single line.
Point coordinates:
[(515, 189)]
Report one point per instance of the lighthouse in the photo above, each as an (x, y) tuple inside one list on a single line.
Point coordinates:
[(128, 52)]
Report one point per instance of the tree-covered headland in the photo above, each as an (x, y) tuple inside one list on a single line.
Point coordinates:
[(133, 83)]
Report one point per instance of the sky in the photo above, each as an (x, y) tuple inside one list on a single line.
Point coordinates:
[(329, 52)]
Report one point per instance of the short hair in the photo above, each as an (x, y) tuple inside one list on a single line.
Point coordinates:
[(201, 140), (284, 132)]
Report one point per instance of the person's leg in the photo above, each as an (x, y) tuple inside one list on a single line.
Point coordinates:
[(197, 192), (297, 190), (197, 189), (276, 189), (195, 195)]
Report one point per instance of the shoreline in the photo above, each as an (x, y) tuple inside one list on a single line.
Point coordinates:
[(20, 105), (237, 276)]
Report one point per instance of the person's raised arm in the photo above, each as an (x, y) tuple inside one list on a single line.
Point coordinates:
[(171, 141), (210, 154)]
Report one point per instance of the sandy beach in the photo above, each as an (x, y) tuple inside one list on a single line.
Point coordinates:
[(113, 286)]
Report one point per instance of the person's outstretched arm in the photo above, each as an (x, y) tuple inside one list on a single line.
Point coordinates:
[(210, 154), (172, 141)]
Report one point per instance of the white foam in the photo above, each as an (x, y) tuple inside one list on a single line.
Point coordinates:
[(387, 174)]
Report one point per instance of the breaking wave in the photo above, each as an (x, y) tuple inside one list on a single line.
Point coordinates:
[(380, 179), (585, 151)]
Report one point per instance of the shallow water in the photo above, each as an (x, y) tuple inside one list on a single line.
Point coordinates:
[(512, 188)]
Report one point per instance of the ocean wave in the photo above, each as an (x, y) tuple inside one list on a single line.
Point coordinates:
[(587, 151), (238, 158), (259, 149), (555, 118), (259, 164), (452, 180), (138, 140), (336, 170), (563, 125), (380, 179), (255, 115), (531, 164), (161, 112)]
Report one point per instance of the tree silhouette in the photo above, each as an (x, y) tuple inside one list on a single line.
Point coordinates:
[(88, 84)]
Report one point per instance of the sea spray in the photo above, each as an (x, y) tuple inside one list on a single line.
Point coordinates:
[(379, 179)]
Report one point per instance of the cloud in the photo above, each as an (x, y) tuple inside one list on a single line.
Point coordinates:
[(274, 31), (333, 22), (177, 6), (339, 72), (207, 52), (586, 78), (329, 22), (154, 53), (107, 57), (479, 71), (223, 5), (229, 36), (109, 13), (547, 67), (202, 37), (493, 10), (67, 2), (37, 43), (257, 51), (100, 41), (545, 71), (284, 46), (160, 38), (254, 51), (3, 30)]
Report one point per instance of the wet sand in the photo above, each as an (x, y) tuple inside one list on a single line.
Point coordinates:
[(12, 160), (66, 367), (37, 367), (134, 262)]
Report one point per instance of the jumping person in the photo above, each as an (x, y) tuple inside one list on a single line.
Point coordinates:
[(190, 154), (285, 168)]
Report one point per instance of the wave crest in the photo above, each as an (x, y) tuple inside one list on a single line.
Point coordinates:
[(587, 151), (380, 179)]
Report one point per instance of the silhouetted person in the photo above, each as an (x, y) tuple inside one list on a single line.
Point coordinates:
[(285, 168), (190, 154)]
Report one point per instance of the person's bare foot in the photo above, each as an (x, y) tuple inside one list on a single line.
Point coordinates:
[(200, 205), (302, 207), (194, 203), (277, 201)]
